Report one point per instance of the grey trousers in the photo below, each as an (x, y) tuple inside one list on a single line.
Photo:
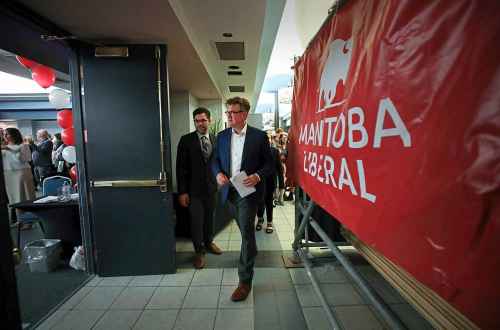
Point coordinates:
[(244, 211), (201, 214)]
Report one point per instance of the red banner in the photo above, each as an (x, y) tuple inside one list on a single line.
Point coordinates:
[(396, 133)]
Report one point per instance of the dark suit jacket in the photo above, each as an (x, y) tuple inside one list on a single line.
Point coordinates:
[(193, 172), (42, 154), (277, 169), (256, 158)]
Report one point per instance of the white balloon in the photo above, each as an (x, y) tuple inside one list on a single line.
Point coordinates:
[(60, 99), (69, 154)]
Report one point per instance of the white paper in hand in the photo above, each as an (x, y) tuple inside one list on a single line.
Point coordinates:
[(237, 182)]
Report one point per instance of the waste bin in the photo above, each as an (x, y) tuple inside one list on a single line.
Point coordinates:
[(43, 255)]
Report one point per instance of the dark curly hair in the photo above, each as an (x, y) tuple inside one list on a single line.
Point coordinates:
[(15, 135)]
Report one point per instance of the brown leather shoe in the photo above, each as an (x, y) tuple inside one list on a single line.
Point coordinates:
[(212, 248), (199, 261), (241, 292)]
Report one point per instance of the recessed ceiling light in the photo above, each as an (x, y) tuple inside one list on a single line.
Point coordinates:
[(227, 34), (237, 89), (233, 67)]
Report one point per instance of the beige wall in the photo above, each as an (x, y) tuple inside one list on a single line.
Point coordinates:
[(181, 106)]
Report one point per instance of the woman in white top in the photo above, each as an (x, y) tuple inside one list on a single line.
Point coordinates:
[(16, 157)]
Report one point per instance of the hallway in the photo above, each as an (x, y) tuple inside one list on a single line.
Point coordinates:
[(281, 298)]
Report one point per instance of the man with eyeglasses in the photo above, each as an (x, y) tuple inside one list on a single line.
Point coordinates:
[(242, 148), (196, 185)]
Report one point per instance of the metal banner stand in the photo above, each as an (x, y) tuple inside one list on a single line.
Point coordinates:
[(304, 209)]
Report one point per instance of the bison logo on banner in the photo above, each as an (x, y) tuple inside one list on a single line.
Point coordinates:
[(334, 76)]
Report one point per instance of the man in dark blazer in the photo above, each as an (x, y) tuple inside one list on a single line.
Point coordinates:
[(42, 156), (196, 185), (242, 148)]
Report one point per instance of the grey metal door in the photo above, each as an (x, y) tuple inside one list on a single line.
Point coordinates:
[(127, 159)]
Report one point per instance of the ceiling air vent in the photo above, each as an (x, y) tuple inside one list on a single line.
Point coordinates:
[(230, 51), (235, 73), (237, 89)]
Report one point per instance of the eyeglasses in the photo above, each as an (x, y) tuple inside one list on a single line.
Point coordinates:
[(232, 112)]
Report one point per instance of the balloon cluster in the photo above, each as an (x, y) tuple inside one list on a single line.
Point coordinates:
[(60, 99), (65, 121)]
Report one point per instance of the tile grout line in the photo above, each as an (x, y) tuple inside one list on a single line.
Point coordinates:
[(109, 307), (183, 301), (146, 304), (218, 300)]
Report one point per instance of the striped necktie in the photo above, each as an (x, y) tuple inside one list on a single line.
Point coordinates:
[(205, 147)]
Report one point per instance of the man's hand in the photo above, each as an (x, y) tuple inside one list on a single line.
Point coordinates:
[(251, 180), (222, 179), (184, 200)]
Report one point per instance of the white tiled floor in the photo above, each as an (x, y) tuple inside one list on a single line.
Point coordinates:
[(186, 300), (189, 299)]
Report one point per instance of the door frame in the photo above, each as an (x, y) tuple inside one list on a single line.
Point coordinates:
[(83, 187), (10, 312)]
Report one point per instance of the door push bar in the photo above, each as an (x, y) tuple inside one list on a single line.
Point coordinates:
[(163, 173), (130, 184)]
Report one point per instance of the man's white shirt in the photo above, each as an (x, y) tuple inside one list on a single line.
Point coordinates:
[(237, 143)]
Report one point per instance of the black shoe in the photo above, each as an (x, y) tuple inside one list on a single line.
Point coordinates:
[(259, 224)]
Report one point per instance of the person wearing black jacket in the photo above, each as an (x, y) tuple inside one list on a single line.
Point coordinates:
[(270, 187), (196, 185), (42, 156)]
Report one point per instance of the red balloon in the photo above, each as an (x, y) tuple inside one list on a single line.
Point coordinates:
[(28, 64), (65, 118), (73, 173), (68, 136), (43, 75)]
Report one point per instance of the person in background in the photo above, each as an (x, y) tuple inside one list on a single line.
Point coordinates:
[(196, 185), (61, 165), (16, 157), (58, 161), (270, 187), (281, 176), (56, 142), (28, 139), (289, 180), (282, 141), (42, 156), (275, 141), (242, 148)]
